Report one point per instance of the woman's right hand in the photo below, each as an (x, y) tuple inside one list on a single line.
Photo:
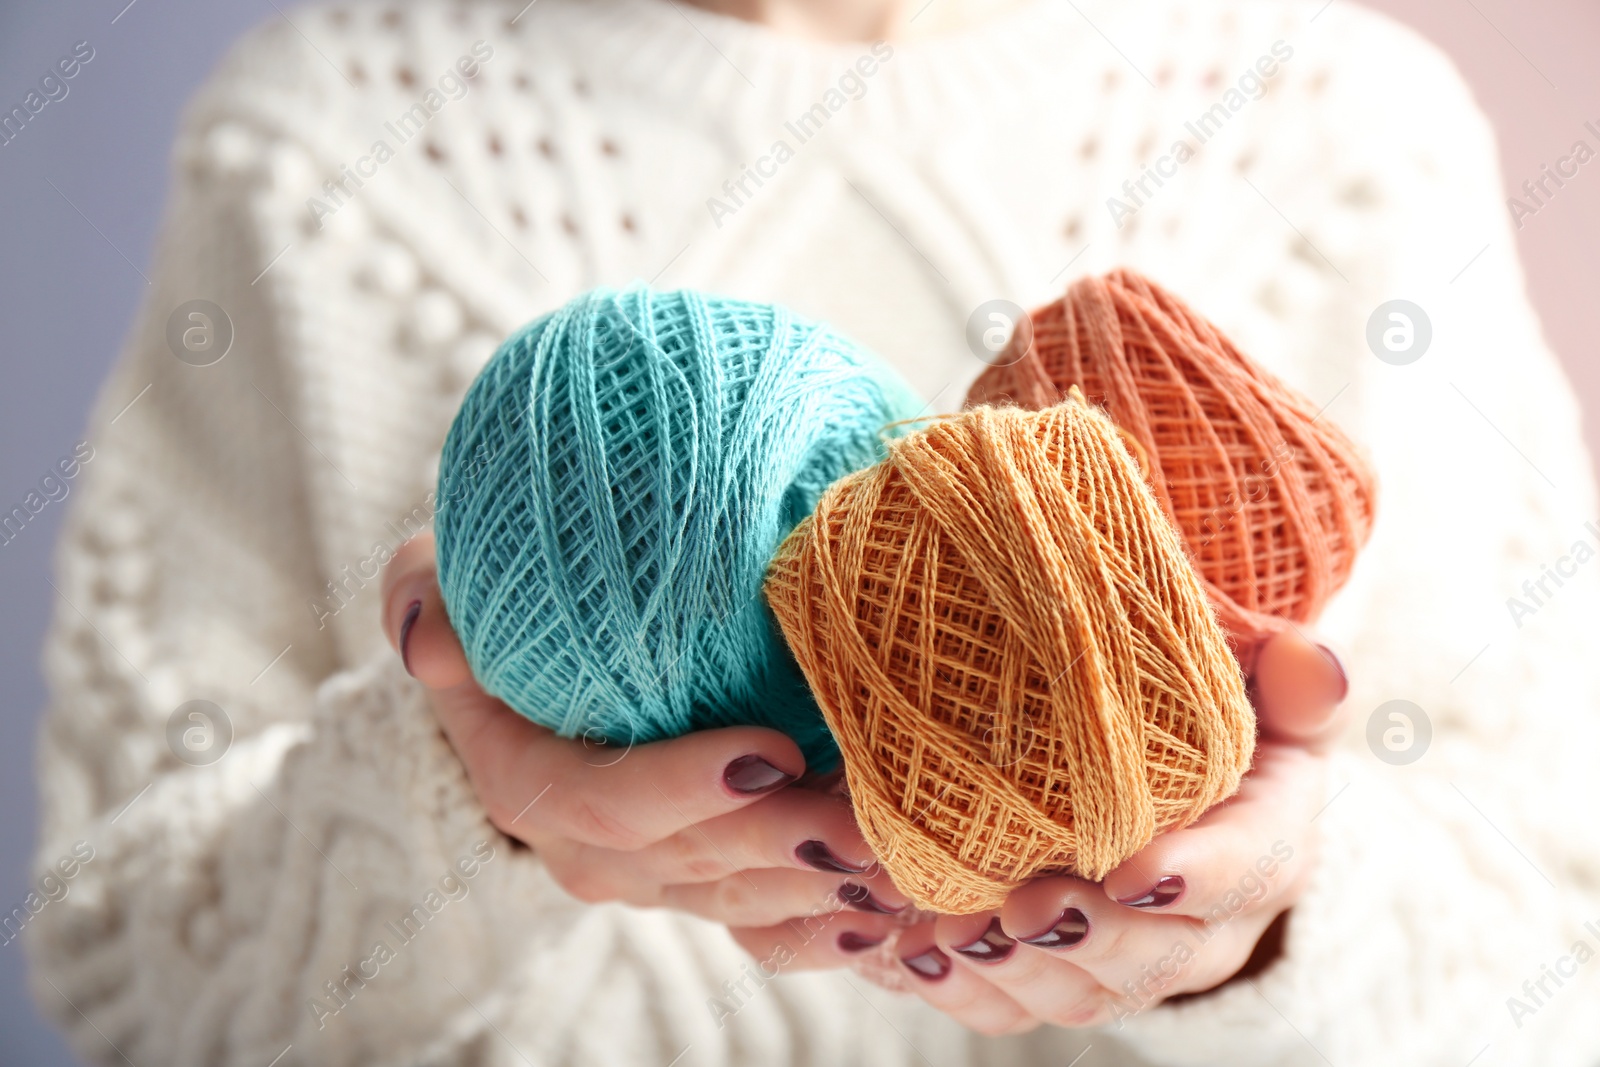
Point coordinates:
[(704, 823)]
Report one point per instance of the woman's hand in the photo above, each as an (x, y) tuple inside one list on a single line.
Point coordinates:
[(703, 823), (1185, 914)]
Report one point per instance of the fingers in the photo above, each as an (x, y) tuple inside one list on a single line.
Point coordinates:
[(540, 787), (1071, 940), (955, 990), (414, 618), (622, 798), (835, 939), (799, 829), (1071, 921), (1240, 855), (763, 897), (1045, 985), (1297, 686)]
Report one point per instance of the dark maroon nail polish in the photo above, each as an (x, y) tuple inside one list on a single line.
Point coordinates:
[(1069, 929), (819, 857), (930, 966), (405, 633), (1164, 892), (1338, 666), (993, 947), (850, 941), (860, 898), (751, 775)]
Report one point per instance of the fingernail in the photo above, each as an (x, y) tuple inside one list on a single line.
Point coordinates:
[(405, 633), (1338, 666), (992, 947), (819, 857), (1070, 928), (931, 966), (752, 775), (1164, 892), (860, 898), (850, 941)]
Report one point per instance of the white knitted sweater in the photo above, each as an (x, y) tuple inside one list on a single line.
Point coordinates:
[(223, 900)]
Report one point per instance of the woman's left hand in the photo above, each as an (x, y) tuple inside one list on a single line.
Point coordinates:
[(1184, 915)]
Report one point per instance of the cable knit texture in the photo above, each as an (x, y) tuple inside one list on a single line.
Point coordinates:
[(226, 541)]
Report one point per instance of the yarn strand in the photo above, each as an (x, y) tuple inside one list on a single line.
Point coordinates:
[(1015, 657)]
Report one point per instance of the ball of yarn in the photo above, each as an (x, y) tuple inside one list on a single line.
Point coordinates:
[(612, 490), (1273, 502), (1017, 660)]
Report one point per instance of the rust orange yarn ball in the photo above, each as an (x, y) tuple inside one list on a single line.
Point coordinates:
[(1010, 646), (1272, 501)]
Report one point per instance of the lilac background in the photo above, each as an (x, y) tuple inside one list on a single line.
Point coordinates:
[(69, 295)]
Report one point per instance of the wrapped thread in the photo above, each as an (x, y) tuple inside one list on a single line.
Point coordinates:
[(1018, 662), (1273, 502), (611, 492)]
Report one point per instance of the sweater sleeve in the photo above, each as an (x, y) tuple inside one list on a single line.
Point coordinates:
[(1459, 861)]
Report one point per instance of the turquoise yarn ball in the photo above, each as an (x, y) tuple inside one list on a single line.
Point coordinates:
[(612, 490)]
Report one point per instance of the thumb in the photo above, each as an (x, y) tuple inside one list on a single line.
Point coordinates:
[(1297, 685), (415, 621)]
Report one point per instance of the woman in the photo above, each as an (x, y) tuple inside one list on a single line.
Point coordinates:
[(367, 196)]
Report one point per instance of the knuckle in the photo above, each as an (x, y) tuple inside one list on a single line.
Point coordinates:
[(687, 856), (731, 897), (592, 821)]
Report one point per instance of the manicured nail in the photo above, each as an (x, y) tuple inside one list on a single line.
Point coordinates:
[(1164, 892), (1070, 928), (1338, 665), (405, 633), (992, 947), (819, 857), (931, 966), (752, 775), (850, 941), (860, 898)]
